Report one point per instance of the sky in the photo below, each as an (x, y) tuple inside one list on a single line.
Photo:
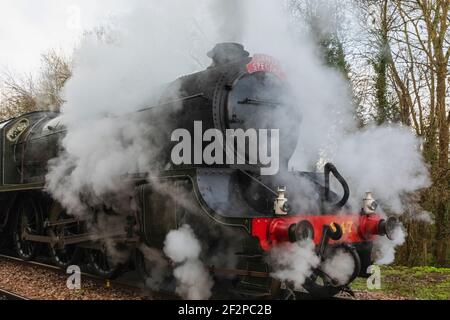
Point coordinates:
[(29, 28)]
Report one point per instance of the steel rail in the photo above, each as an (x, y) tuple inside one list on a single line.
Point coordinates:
[(8, 295), (140, 289)]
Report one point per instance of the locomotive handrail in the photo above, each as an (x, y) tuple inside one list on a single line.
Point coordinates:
[(258, 102), (329, 167), (259, 182), (198, 95)]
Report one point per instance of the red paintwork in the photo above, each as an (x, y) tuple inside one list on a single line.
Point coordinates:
[(262, 62), (355, 228)]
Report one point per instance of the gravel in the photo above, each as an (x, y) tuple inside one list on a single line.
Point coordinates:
[(373, 295), (39, 283)]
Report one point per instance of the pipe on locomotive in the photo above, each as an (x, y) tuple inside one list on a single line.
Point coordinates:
[(329, 167), (284, 231)]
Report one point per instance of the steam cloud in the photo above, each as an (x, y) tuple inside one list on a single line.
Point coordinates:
[(384, 249), (340, 266), (294, 263), (183, 248), (121, 68), (159, 267)]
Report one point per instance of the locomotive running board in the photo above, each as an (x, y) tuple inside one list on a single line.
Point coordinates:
[(48, 224), (68, 240)]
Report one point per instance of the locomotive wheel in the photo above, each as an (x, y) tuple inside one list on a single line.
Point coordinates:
[(63, 257), (100, 263), (320, 286), (29, 220), (66, 255), (147, 269)]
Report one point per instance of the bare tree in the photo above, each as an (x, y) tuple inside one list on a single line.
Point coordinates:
[(419, 68), (21, 95), (408, 47)]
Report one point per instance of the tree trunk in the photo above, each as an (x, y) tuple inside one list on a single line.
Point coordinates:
[(442, 219)]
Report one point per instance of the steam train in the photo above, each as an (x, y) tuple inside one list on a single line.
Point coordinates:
[(238, 214)]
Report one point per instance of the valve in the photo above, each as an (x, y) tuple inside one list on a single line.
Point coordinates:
[(280, 205)]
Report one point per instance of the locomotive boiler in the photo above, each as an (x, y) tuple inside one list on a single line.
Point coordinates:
[(238, 214)]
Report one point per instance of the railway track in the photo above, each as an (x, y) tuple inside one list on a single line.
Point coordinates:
[(89, 276), (122, 284), (134, 286), (8, 295)]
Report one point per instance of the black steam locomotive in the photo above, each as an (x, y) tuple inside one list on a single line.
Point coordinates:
[(237, 213)]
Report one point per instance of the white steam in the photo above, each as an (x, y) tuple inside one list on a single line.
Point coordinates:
[(118, 69), (384, 249), (423, 216), (158, 267), (122, 68), (183, 248), (385, 160), (294, 263), (340, 266)]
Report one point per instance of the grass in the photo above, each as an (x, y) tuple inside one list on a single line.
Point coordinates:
[(424, 283)]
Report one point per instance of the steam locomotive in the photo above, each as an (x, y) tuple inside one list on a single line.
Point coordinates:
[(238, 214)]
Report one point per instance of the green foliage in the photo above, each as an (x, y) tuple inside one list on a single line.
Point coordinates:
[(422, 283), (387, 110), (333, 54)]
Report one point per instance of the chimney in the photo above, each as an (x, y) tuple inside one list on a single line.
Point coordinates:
[(227, 52)]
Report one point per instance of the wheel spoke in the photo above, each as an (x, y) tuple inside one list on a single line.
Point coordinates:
[(27, 222), (101, 264), (63, 256)]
